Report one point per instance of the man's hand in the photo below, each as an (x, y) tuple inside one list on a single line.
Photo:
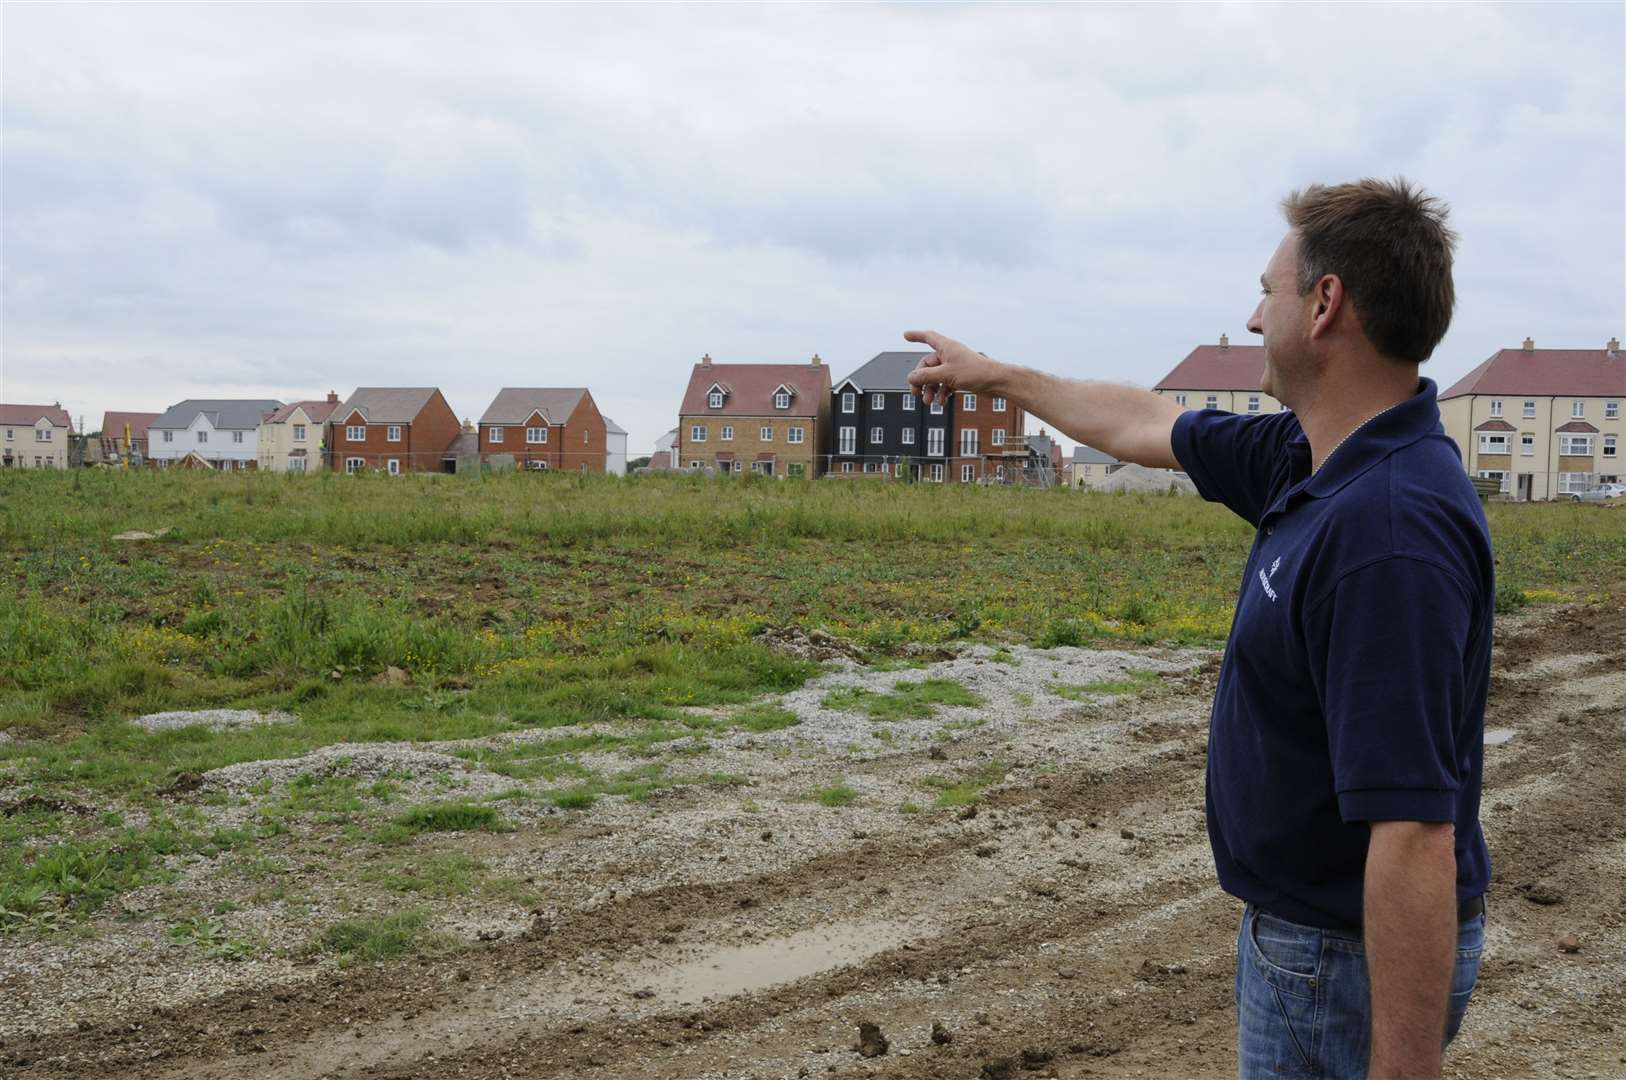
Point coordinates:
[(950, 366), (1411, 944)]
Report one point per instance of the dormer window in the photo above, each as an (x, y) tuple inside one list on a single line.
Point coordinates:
[(781, 400), (715, 399)]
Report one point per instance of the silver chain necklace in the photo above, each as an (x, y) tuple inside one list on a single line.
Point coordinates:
[(1352, 431)]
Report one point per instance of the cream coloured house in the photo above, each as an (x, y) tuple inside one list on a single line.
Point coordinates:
[(34, 436), (290, 439), (1547, 423), (1222, 376)]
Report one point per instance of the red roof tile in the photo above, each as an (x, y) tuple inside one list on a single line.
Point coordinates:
[(1213, 367), (28, 415), (1543, 372), (318, 411), (1496, 425), (750, 389), (1580, 426), (113, 424)]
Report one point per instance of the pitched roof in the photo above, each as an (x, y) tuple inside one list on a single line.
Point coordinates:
[(886, 371), (386, 404), (1563, 372), (1496, 425), (241, 414), (318, 411), (613, 428), (751, 388), (1577, 427), (1089, 455), (29, 415), (1217, 367), (515, 404), (113, 424)]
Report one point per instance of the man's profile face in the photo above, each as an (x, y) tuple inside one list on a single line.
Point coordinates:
[(1279, 318)]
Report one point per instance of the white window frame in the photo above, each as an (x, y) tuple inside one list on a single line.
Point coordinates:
[(1499, 475), (1253, 403), (908, 436), (1577, 410), (393, 466), (846, 466), (1529, 410), (936, 472), (203, 438), (877, 402), (1574, 445), (299, 433), (1212, 401), (1573, 483), (697, 433), (999, 472), (934, 442), (726, 434), (496, 433), (355, 433), (968, 473), (968, 402), (1611, 410), (765, 433), (1527, 444), (1609, 444), (1180, 400), (795, 435), (999, 404), (353, 465), (909, 400), (536, 436), (392, 432), (937, 408), (1488, 441), (296, 464), (42, 434), (781, 400), (1496, 408), (849, 402), (968, 442), (847, 440), (997, 436), (237, 436), (169, 436), (714, 399), (696, 464), (877, 435)]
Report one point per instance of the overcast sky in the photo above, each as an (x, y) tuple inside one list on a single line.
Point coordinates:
[(278, 200)]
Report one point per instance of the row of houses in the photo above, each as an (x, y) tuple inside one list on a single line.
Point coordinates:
[(388, 429)]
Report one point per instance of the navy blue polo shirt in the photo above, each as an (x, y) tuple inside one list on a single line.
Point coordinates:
[(1354, 680)]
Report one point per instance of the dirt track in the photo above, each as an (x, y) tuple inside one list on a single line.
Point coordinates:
[(1071, 927)]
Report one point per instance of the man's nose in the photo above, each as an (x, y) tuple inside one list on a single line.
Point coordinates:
[(1255, 325)]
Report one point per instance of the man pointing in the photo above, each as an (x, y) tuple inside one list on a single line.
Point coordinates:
[(1345, 745)]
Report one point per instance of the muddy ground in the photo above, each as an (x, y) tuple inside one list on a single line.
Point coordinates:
[(1068, 926)]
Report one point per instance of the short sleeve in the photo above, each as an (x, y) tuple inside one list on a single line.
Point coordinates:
[(1387, 647), (1233, 459)]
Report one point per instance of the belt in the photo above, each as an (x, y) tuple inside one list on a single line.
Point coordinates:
[(1469, 909)]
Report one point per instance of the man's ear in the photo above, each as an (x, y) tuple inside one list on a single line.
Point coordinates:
[(1329, 301)]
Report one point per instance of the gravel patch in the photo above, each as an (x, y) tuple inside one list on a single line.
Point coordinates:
[(362, 761), (213, 719)]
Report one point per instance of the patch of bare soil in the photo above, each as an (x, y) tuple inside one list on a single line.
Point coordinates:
[(1068, 925)]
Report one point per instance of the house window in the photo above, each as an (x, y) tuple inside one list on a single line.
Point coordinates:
[(1180, 400), (908, 436), (299, 433), (694, 464), (1491, 443), (934, 441), (968, 473), (354, 465), (1253, 403), (1578, 410), (796, 470), (1496, 407), (877, 435), (877, 402), (999, 472), (848, 441), (936, 472), (999, 404), (203, 437), (1611, 410), (872, 467), (762, 468), (536, 435), (1575, 445), (394, 466), (169, 436), (968, 402), (715, 399), (584, 443), (765, 434), (794, 435), (727, 434), (781, 400), (11, 434), (697, 433), (296, 464), (355, 433), (1573, 483), (537, 466), (937, 408), (392, 433), (1530, 410), (237, 436), (968, 442), (1527, 445), (997, 437), (1608, 446), (1498, 475), (1212, 402), (909, 402), (849, 402), (846, 466), (42, 434)]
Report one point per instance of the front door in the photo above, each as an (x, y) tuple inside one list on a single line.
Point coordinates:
[(1526, 480)]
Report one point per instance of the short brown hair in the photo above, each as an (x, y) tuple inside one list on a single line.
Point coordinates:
[(1389, 244)]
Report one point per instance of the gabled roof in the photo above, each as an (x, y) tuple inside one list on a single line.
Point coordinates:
[(317, 411), (236, 415), (113, 424), (29, 415), (1089, 455), (1217, 367), (613, 428), (751, 389), (1542, 372), (885, 371), (1495, 425), (386, 404), (515, 405)]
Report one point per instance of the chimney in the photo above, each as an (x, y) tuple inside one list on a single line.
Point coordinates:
[(468, 428), (1614, 345), (816, 360), (333, 397), (1529, 344), (705, 361), (1225, 342)]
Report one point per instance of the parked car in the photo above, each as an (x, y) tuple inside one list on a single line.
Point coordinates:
[(1601, 493)]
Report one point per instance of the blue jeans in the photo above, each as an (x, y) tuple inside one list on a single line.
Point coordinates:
[(1303, 1001)]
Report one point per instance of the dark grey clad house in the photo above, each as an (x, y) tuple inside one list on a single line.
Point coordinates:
[(879, 426)]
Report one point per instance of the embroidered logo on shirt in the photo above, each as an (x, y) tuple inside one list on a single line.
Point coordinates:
[(1264, 578)]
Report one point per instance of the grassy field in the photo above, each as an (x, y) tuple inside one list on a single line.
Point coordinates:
[(533, 602)]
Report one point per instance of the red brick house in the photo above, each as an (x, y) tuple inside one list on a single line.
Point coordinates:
[(545, 428), (117, 426), (396, 429)]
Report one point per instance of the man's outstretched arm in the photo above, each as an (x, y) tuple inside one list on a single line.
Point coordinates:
[(1130, 424)]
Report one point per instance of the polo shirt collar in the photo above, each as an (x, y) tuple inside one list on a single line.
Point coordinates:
[(1399, 427)]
